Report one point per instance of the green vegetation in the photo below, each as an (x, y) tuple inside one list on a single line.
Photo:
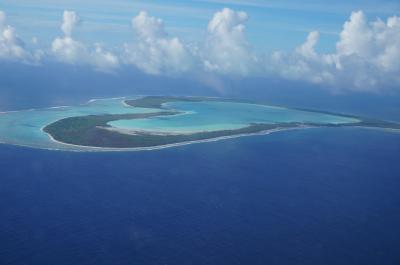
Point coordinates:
[(88, 131), (92, 130), (157, 101)]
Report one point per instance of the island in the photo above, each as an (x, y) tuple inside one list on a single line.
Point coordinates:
[(96, 131)]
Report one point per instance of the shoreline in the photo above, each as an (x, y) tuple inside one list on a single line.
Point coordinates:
[(65, 106), (92, 149), (159, 147), (94, 100), (82, 148)]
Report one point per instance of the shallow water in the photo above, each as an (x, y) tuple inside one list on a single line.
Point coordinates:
[(211, 116), (25, 127)]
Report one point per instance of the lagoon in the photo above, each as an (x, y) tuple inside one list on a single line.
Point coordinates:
[(26, 127)]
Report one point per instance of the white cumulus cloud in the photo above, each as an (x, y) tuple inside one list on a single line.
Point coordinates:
[(68, 50), (70, 20), (226, 49), (11, 46), (154, 52), (307, 49), (367, 57)]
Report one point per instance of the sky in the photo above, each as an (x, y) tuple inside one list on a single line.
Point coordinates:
[(347, 46)]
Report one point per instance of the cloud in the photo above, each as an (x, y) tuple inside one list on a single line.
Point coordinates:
[(11, 46), (307, 49), (147, 27), (104, 60), (70, 20), (226, 49), (304, 63), (70, 51), (154, 52), (367, 57)]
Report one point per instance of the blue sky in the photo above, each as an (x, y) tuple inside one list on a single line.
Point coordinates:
[(271, 25), (343, 45)]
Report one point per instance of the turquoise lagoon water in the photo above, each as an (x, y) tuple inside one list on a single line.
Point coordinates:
[(24, 127), (211, 116)]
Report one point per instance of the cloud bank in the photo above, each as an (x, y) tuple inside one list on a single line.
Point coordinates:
[(366, 58)]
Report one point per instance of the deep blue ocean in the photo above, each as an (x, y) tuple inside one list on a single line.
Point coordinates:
[(305, 197), (318, 196)]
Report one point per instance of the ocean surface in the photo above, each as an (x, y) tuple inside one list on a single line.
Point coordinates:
[(315, 196)]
